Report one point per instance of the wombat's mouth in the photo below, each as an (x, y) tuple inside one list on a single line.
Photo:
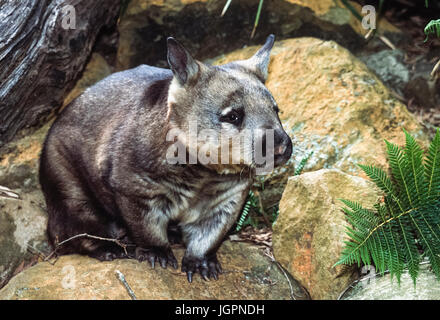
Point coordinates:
[(232, 169)]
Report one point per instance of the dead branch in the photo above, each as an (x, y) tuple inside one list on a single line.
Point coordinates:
[(435, 69), (268, 253), (86, 235)]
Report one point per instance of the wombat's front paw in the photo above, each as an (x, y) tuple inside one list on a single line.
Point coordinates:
[(207, 267), (164, 256)]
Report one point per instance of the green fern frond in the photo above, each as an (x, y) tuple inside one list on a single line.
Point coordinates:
[(432, 167), (302, 164), (407, 223), (379, 177), (433, 27), (245, 212)]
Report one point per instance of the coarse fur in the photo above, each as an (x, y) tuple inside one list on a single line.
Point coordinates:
[(104, 169)]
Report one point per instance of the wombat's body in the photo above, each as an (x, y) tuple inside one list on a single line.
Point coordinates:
[(104, 168)]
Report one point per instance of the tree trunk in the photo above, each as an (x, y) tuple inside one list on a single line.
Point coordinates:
[(44, 45)]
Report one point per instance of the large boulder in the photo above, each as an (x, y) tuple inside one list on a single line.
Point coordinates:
[(22, 233), (145, 25), (332, 105), (309, 235), (248, 274)]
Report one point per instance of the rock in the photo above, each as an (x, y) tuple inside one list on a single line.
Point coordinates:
[(331, 104), (19, 161), (146, 24), (309, 232), (249, 274), (383, 288), (389, 67), (423, 88), (22, 233)]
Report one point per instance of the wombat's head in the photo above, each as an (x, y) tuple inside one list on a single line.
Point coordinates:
[(225, 116)]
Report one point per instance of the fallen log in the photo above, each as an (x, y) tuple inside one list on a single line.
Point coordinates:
[(44, 46)]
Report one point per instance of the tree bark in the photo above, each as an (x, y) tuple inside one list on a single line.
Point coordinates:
[(41, 58)]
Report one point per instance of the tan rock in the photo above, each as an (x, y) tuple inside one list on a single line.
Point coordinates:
[(309, 233), (248, 275)]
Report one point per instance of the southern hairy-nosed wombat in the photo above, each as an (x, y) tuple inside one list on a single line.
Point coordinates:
[(108, 167)]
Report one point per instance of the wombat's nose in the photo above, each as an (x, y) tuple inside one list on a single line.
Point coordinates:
[(283, 148)]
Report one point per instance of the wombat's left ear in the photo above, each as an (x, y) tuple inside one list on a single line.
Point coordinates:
[(259, 62), (184, 67)]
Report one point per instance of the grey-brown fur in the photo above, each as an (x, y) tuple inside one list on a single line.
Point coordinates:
[(104, 169)]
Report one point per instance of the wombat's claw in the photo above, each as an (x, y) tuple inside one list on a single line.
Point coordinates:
[(207, 267), (189, 275), (162, 255)]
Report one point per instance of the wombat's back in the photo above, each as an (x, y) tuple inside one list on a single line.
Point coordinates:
[(117, 95)]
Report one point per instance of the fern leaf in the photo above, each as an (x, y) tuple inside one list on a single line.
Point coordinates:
[(302, 164), (432, 166), (433, 27), (416, 171), (379, 177), (399, 168)]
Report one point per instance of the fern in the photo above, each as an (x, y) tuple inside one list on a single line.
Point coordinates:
[(250, 202), (393, 235), (433, 27), (302, 164)]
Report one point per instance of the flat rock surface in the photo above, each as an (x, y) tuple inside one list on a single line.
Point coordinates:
[(248, 274)]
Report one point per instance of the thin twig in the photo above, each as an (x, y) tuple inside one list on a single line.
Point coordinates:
[(121, 278), (86, 235), (8, 193), (369, 34), (37, 252), (225, 8), (387, 42), (263, 213), (269, 254), (435, 69)]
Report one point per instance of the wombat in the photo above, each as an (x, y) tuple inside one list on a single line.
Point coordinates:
[(108, 167)]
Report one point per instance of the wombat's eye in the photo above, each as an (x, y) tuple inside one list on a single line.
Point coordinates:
[(234, 117)]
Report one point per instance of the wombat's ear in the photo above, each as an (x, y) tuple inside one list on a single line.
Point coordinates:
[(180, 61), (259, 62)]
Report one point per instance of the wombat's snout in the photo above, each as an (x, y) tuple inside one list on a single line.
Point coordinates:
[(276, 145), (282, 147)]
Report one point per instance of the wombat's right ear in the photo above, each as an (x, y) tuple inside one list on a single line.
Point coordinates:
[(184, 67), (259, 62)]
